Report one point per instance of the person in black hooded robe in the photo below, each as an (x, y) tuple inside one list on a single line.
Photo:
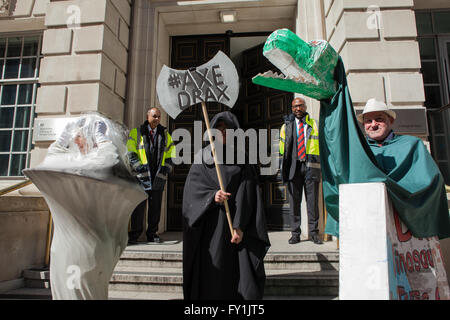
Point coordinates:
[(217, 266)]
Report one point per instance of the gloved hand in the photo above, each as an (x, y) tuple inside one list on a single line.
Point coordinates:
[(66, 135)]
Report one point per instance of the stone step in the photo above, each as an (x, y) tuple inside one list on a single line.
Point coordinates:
[(143, 295), (305, 261), (37, 278), (45, 294), (309, 261), (33, 283), (149, 258), (321, 283), (27, 293), (37, 274), (278, 282)]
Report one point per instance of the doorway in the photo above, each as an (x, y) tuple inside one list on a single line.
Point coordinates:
[(257, 107)]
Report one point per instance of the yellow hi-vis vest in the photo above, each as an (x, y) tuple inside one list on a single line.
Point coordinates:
[(312, 144), (138, 158), (139, 149)]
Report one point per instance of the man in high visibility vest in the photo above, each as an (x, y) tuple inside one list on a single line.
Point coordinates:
[(300, 168), (150, 150)]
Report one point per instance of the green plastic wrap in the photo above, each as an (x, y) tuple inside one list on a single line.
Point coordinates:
[(307, 68)]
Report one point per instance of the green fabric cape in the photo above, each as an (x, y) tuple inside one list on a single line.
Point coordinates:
[(414, 183)]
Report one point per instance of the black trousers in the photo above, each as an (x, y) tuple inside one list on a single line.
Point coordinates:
[(303, 180), (153, 215)]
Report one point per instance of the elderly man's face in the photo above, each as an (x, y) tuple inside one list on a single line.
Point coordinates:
[(378, 125), (154, 117), (298, 107)]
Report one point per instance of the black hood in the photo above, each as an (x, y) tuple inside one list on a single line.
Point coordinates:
[(230, 120), (232, 123)]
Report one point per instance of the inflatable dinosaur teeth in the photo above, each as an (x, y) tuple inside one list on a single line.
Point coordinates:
[(307, 68)]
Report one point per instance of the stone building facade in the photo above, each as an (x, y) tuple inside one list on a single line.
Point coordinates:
[(62, 58)]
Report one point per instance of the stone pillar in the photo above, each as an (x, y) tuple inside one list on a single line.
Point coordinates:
[(141, 50), (377, 42), (149, 51), (310, 26), (85, 48)]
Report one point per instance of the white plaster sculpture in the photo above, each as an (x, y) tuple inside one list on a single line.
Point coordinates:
[(87, 183), (379, 258)]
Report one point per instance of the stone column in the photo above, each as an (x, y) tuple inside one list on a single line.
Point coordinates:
[(149, 51), (85, 48), (141, 49), (310, 25), (377, 42)]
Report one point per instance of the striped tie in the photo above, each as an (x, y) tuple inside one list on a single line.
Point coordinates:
[(301, 151), (152, 135)]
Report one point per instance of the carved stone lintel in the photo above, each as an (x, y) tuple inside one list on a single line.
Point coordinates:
[(4, 8)]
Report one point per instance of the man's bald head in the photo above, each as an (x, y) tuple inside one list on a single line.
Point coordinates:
[(153, 117)]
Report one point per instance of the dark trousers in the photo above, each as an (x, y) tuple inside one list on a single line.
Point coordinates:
[(153, 215), (302, 181)]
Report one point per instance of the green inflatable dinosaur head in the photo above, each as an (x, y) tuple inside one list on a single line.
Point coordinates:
[(307, 68)]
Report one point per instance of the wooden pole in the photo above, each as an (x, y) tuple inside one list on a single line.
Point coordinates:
[(15, 187), (219, 175), (49, 239)]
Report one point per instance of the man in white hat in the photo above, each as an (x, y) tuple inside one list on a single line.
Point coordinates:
[(378, 121)]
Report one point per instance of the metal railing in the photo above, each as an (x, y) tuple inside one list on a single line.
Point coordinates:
[(15, 187)]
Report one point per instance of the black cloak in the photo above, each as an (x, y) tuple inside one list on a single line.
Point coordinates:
[(213, 267)]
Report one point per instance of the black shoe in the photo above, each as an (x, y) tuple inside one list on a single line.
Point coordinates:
[(294, 239), (315, 238), (154, 238), (132, 242)]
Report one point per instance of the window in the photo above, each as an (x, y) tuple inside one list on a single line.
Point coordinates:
[(433, 29), (19, 74)]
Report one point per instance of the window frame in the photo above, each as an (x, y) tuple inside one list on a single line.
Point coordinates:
[(34, 81), (444, 90)]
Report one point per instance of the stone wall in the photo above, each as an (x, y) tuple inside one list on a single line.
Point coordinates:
[(23, 15), (377, 41), (23, 235), (85, 49)]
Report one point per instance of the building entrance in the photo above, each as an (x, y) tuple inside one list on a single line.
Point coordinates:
[(257, 107)]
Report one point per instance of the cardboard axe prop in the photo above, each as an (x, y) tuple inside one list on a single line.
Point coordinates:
[(215, 81)]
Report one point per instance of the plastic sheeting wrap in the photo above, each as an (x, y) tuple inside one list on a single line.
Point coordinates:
[(88, 185), (308, 68)]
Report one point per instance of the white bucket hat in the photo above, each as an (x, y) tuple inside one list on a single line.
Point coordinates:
[(373, 105)]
